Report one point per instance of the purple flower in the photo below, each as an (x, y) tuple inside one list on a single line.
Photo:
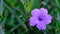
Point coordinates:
[(40, 18)]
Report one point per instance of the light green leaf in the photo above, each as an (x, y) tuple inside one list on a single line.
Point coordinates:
[(22, 23), (2, 31), (58, 3), (1, 7)]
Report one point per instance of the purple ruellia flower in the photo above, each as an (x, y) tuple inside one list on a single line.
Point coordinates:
[(40, 18)]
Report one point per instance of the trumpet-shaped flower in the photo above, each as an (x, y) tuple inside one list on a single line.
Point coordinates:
[(40, 18)]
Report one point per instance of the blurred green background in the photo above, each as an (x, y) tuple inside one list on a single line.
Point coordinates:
[(15, 14)]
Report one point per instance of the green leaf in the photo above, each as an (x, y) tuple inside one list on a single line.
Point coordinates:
[(35, 3), (1, 7), (25, 2), (58, 3), (12, 3), (12, 29), (22, 23), (2, 31), (20, 6)]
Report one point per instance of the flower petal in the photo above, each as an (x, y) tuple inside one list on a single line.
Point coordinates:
[(49, 16), (43, 11), (48, 19), (35, 12), (41, 26), (33, 21)]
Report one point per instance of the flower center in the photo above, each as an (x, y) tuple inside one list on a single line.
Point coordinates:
[(40, 19)]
